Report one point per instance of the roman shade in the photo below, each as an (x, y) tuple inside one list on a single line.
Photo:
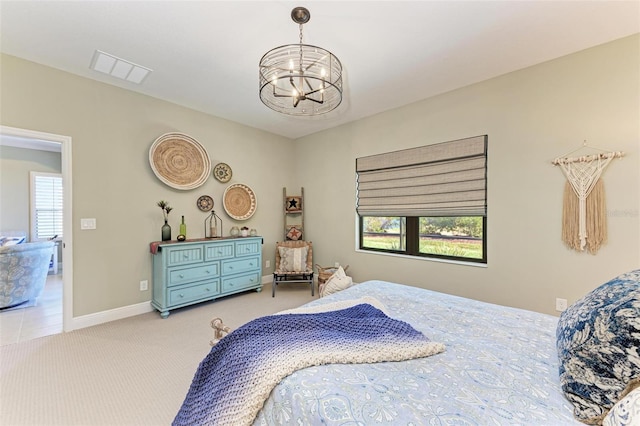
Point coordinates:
[(444, 179)]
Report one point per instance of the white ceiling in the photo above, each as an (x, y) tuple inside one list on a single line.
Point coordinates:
[(204, 54)]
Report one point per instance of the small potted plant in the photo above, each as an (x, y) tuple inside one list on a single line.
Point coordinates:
[(244, 231), (166, 229)]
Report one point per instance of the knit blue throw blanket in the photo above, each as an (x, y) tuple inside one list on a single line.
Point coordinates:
[(237, 376)]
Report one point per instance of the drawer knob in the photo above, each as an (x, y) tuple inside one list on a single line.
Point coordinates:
[(207, 271), (181, 276), (207, 289), (230, 284), (248, 249), (230, 267), (181, 295), (185, 256), (250, 264), (251, 279)]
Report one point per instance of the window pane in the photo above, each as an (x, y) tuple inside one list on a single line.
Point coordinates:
[(384, 233), (47, 205), (452, 236)]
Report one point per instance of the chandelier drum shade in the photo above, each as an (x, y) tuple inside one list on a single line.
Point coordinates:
[(300, 79)]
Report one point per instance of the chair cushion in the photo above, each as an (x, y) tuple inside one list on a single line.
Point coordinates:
[(293, 259), (598, 341), (337, 282)]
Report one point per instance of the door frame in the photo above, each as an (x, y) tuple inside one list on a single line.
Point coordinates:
[(67, 215)]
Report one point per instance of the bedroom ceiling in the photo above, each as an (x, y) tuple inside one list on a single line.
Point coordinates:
[(204, 55)]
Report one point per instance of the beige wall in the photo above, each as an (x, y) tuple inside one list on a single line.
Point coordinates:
[(15, 166), (531, 117), (112, 131)]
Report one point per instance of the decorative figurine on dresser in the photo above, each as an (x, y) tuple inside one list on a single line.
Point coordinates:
[(194, 271)]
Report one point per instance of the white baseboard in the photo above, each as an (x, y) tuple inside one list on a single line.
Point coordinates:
[(123, 312), (110, 315)]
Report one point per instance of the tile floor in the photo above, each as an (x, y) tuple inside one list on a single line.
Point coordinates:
[(44, 319)]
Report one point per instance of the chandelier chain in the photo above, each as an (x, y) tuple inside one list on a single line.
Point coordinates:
[(300, 63)]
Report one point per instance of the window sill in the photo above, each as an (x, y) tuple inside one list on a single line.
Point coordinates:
[(428, 259)]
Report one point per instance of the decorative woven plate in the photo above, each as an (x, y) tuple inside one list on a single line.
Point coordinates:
[(222, 172), (205, 203), (239, 201), (179, 161)]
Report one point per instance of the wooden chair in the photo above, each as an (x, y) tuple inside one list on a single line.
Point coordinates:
[(285, 274)]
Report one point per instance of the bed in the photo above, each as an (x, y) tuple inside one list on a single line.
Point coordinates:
[(499, 367)]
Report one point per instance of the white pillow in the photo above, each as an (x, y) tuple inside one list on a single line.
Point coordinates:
[(293, 259), (337, 282), (626, 411)]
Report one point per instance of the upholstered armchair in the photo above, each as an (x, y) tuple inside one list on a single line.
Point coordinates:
[(23, 271)]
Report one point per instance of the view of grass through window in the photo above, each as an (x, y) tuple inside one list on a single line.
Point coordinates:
[(452, 236), (444, 236), (384, 233)]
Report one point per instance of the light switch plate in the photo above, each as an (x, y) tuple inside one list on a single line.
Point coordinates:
[(88, 223)]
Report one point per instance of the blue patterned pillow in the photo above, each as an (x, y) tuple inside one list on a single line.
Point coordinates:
[(626, 412), (598, 344)]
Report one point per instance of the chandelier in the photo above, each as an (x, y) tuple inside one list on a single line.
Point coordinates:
[(300, 79)]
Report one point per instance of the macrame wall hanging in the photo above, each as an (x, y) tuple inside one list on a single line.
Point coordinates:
[(584, 214)]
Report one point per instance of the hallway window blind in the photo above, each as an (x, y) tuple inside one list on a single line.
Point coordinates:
[(444, 179), (46, 206)]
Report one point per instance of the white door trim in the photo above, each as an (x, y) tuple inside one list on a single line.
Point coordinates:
[(67, 247)]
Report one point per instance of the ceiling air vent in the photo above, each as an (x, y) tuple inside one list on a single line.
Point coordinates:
[(119, 68)]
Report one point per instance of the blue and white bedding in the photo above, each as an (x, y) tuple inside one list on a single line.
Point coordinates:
[(236, 377), (500, 367)]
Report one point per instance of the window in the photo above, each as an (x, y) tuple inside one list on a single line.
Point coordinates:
[(427, 202), (46, 206)]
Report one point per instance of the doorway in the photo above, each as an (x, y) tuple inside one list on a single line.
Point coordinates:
[(61, 282)]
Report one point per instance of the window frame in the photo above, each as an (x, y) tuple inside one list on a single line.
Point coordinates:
[(446, 179), (412, 243)]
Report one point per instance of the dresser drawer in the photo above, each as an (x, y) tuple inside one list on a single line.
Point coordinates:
[(247, 248), (186, 294), (184, 255), (218, 251), (240, 282), (193, 273), (237, 266)]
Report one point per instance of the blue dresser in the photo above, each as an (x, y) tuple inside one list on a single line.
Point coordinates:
[(196, 271)]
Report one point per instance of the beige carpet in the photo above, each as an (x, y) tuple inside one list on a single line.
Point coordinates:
[(134, 371)]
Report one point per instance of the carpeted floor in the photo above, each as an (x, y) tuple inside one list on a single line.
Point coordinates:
[(134, 371)]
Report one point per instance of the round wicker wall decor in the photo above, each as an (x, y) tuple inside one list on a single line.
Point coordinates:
[(239, 201), (179, 161)]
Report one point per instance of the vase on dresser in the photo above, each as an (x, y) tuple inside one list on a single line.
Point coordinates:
[(166, 231)]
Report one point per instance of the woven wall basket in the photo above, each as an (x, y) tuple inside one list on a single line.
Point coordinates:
[(239, 201), (179, 161)]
